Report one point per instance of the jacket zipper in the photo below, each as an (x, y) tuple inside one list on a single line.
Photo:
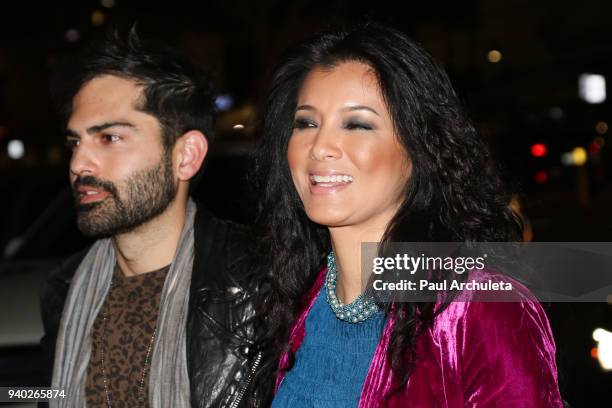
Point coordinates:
[(248, 381)]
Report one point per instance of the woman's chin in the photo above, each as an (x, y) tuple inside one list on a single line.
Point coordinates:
[(329, 218)]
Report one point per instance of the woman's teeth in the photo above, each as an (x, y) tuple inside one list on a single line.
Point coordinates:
[(338, 178)]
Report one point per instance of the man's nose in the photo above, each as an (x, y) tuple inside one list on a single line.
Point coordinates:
[(83, 161)]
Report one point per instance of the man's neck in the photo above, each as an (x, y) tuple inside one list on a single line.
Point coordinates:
[(152, 245)]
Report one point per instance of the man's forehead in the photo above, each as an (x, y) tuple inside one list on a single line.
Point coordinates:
[(107, 98), (108, 89)]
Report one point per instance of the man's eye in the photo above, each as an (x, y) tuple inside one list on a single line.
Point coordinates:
[(72, 143), (358, 126), (110, 138), (303, 124)]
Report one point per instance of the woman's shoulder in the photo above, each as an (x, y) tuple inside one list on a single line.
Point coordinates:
[(497, 307), (504, 349)]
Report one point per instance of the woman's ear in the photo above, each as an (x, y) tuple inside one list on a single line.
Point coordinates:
[(189, 153)]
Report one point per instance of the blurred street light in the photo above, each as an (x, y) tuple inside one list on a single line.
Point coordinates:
[(72, 35), (494, 56), (601, 128), (224, 102), (604, 348), (577, 157), (592, 88), (541, 177), (556, 113), (16, 149), (539, 150), (97, 18)]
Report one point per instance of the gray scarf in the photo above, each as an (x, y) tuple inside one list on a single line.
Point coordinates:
[(168, 380)]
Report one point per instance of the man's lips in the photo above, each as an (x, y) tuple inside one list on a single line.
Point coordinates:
[(91, 194)]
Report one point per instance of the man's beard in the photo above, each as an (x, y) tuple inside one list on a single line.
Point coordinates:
[(147, 194)]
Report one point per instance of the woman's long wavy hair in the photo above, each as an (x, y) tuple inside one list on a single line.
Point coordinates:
[(455, 192)]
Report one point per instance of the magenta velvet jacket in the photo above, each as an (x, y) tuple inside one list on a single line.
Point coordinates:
[(475, 354)]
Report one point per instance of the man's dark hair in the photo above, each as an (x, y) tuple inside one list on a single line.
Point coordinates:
[(175, 91)]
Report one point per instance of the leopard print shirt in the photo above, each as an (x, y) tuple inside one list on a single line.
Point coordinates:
[(123, 340)]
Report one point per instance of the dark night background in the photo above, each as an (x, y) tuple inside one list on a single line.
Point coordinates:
[(524, 94)]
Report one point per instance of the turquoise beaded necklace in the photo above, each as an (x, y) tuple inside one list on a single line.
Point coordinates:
[(362, 308)]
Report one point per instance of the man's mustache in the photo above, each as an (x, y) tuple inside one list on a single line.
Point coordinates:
[(91, 181)]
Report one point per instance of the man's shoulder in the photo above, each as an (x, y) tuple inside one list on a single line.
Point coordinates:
[(55, 288), (65, 269), (52, 299), (221, 248)]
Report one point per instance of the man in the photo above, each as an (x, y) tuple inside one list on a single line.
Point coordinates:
[(154, 312)]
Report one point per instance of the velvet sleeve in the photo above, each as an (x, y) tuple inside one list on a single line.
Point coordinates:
[(508, 356)]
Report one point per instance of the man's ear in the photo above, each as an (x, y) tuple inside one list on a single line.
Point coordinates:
[(189, 153)]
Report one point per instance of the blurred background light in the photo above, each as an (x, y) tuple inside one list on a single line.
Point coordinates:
[(224, 102), (539, 150), (107, 3), (238, 126), (541, 177), (577, 157), (592, 88), (97, 18), (72, 35), (604, 348), (601, 127), (594, 148), (15, 149), (54, 155), (556, 113), (494, 56), (566, 159)]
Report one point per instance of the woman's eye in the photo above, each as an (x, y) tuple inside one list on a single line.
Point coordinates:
[(303, 124), (358, 126)]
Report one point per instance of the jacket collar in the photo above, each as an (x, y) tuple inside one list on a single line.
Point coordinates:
[(209, 254)]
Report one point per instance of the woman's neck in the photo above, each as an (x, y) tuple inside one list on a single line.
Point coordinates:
[(346, 243)]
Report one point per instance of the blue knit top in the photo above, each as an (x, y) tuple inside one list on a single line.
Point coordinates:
[(332, 362)]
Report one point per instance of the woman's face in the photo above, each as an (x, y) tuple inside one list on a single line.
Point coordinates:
[(345, 158)]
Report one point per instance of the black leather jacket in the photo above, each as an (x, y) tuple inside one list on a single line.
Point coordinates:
[(219, 329)]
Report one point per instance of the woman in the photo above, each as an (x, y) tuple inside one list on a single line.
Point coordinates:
[(364, 140)]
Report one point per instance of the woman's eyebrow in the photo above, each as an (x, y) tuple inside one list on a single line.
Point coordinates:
[(360, 107), (347, 109), (305, 107)]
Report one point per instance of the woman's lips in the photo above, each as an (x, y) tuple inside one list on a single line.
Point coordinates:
[(329, 184)]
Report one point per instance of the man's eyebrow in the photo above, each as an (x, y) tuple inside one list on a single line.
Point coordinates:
[(71, 133), (360, 107), (104, 126), (99, 128)]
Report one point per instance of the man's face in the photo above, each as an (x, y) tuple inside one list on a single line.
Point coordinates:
[(120, 173)]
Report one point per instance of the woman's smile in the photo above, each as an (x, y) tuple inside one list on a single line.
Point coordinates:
[(346, 160)]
